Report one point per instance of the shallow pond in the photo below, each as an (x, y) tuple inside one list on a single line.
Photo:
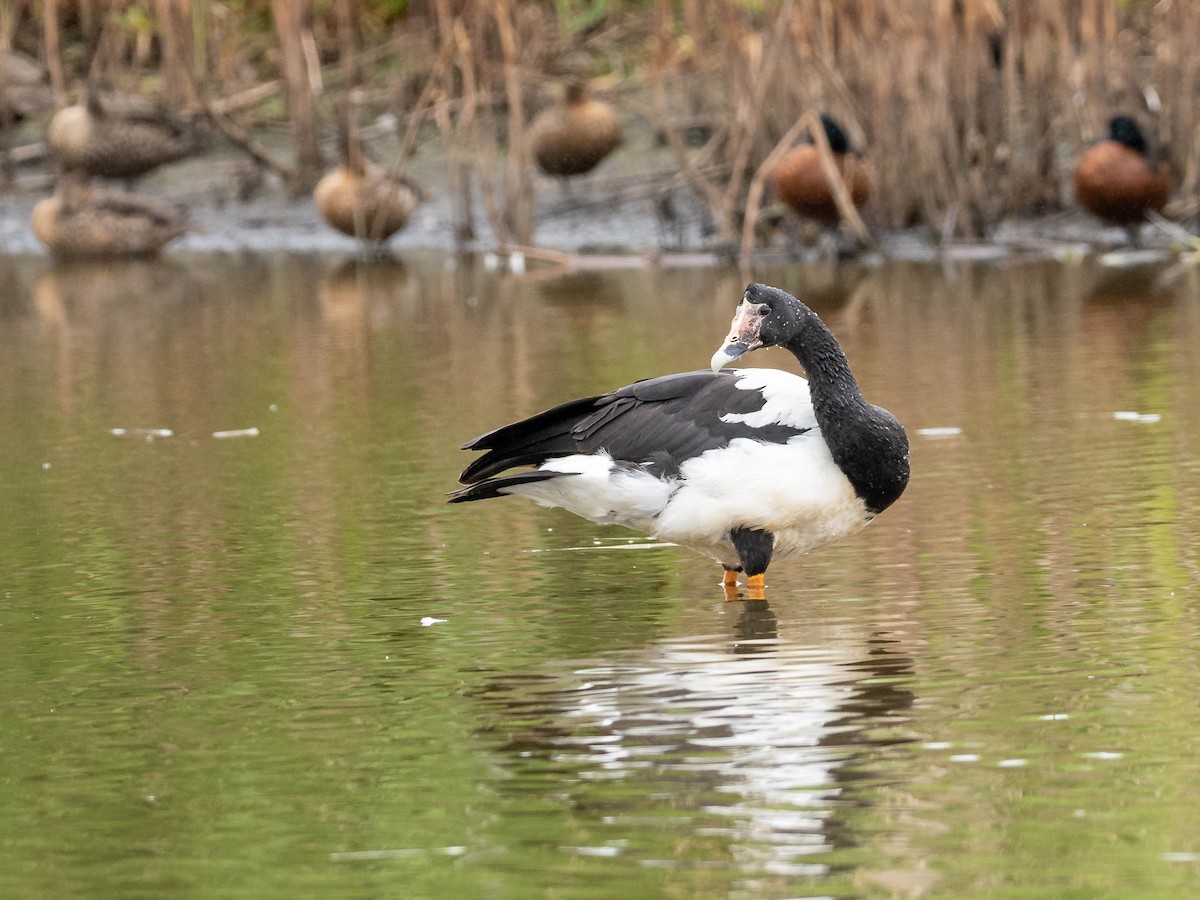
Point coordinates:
[(247, 650)]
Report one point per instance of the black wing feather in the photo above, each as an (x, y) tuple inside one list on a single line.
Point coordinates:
[(657, 423), (492, 487)]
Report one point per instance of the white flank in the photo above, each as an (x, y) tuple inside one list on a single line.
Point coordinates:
[(794, 490), (601, 491)]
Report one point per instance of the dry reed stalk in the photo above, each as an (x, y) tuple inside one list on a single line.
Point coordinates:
[(346, 108), (291, 21), (749, 61), (348, 49), (312, 62), (841, 196), (1176, 67), (759, 65), (9, 11), (50, 37), (466, 128), (480, 105), (426, 99), (518, 182), (975, 109), (443, 99), (174, 21), (757, 183), (245, 99), (244, 140)]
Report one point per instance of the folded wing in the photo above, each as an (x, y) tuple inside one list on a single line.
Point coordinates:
[(656, 424)]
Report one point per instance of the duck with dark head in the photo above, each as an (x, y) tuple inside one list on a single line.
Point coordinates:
[(1120, 179), (802, 184), (572, 139)]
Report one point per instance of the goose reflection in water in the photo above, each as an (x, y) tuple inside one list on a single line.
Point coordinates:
[(745, 752)]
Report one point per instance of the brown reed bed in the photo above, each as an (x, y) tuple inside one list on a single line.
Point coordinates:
[(970, 112)]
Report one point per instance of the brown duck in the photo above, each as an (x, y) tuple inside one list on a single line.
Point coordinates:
[(801, 182), (573, 138), (80, 220), (24, 87), (1118, 180), (120, 137), (361, 200)]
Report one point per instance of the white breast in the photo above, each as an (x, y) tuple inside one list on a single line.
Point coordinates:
[(794, 490)]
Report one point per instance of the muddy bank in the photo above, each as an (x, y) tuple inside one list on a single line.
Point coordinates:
[(619, 210)]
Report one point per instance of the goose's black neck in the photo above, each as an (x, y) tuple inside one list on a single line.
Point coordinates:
[(867, 443), (837, 400)]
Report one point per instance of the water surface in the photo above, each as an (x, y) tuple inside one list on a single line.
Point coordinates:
[(247, 650)]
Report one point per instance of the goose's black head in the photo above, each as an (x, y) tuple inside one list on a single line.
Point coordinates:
[(1124, 130), (766, 317), (866, 442)]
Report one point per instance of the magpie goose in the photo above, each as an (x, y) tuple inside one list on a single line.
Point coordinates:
[(743, 465)]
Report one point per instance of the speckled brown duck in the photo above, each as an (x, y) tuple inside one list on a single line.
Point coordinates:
[(120, 137), (573, 138), (24, 87), (361, 200), (1119, 180), (801, 182), (80, 220)]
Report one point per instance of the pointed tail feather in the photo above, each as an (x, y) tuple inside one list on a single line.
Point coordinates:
[(530, 442), (498, 487)]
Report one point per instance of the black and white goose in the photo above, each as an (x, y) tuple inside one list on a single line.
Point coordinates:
[(743, 465)]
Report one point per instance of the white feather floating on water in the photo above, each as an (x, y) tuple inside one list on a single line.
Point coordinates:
[(940, 432)]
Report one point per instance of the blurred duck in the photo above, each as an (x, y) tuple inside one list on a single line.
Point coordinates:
[(361, 200), (1119, 180), (801, 180), (120, 137), (573, 138), (82, 221), (24, 88)]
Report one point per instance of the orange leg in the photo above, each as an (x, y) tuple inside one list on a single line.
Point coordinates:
[(757, 587), (730, 583)]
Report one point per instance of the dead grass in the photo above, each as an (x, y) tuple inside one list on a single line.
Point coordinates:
[(969, 111)]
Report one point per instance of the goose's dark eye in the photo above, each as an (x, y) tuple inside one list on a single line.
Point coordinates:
[(764, 310)]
